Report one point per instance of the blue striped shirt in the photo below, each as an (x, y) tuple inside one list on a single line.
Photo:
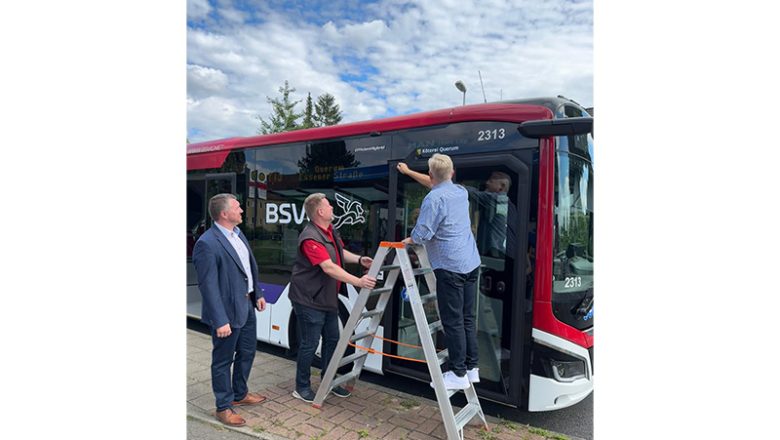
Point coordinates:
[(444, 228)]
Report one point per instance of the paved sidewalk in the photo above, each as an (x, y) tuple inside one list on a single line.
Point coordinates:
[(372, 412)]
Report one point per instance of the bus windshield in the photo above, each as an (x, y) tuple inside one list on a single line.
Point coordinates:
[(573, 240)]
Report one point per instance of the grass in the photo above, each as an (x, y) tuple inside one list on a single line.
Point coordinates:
[(486, 435), (547, 434), (258, 428), (363, 433), (509, 425), (409, 403)]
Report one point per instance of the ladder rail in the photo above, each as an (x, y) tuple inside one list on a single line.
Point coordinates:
[(426, 340), (373, 325), (349, 329)]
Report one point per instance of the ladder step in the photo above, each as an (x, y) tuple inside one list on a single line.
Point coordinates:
[(443, 356), (422, 271), (464, 416), (435, 327), (352, 358), (390, 267), (372, 313), (345, 378), (360, 336), (428, 297), (380, 291)]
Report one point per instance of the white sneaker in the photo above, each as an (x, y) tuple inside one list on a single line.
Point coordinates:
[(453, 382), (473, 375)]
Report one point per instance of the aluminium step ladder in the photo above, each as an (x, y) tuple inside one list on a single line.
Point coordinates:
[(453, 423)]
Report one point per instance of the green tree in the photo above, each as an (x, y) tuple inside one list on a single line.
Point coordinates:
[(284, 117), (326, 111), (308, 115)]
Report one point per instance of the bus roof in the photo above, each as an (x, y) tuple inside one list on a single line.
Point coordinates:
[(506, 111)]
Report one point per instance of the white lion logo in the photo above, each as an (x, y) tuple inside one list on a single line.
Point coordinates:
[(353, 212)]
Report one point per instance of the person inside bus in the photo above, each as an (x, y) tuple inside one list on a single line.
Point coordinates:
[(444, 227), (230, 287), (316, 278), (494, 208)]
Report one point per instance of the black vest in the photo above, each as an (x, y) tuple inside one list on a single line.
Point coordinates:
[(310, 285)]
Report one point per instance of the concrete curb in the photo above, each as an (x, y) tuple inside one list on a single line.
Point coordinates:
[(210, 420)]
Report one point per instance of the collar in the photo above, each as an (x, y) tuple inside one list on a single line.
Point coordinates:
[(328, 231), (442, 184), (228, 233)]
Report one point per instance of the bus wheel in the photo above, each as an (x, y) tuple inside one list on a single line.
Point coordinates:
[(292, 337)]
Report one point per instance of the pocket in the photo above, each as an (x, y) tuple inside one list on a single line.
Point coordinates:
[(317, 293)]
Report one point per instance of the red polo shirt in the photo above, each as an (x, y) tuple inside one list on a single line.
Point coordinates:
[(316, 253)]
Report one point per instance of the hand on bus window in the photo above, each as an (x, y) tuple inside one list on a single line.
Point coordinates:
[(402, 168), (224, 331), (261, 304)]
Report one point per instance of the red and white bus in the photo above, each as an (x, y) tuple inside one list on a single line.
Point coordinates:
[(534, 233)]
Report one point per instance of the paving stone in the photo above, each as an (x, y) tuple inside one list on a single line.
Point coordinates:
[(296, 420), (404, 422), (198, 389), (336, 433), (344, 415), (309, 431), (397, 433), (429, 425), (381, 430), (325, 425)]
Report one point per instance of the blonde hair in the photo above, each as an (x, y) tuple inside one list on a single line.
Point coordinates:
[(440, 166), (311, 203)]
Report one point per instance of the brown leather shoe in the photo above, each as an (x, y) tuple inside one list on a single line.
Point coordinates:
[(250, 399), (229, 417)]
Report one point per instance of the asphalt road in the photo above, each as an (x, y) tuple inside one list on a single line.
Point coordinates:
[(576, 420)]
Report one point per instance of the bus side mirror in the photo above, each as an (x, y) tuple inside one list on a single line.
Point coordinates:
[(556, 127)]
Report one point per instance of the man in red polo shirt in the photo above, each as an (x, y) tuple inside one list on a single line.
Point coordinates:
[(316, 279)]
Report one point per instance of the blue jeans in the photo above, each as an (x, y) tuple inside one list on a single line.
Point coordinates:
[(311, 324), (457, 294), (237, 350)]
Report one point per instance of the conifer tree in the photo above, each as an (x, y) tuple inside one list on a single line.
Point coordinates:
[(284, 117), (308, 114), (326, 111)]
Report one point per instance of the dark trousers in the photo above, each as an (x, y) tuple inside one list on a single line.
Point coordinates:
[(238, 351), (312, 324), (457, 294)]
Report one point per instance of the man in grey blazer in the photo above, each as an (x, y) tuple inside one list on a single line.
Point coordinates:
[(230, 287)]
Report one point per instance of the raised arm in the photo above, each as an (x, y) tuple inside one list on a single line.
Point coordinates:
[(422, 179)]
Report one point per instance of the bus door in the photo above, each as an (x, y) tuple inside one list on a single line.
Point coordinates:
[(201, 188), (499, 190)]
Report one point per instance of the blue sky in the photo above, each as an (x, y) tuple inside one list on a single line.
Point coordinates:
[(379, 58)]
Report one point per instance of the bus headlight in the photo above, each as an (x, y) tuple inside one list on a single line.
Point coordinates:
[(567, 371), (563, 367)]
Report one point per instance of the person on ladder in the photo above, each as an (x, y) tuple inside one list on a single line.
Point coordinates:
[(316, 278), (444, 227)]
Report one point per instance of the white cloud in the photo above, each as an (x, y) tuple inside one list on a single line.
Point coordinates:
[(202, 81), (197, 9), (400, 57)]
